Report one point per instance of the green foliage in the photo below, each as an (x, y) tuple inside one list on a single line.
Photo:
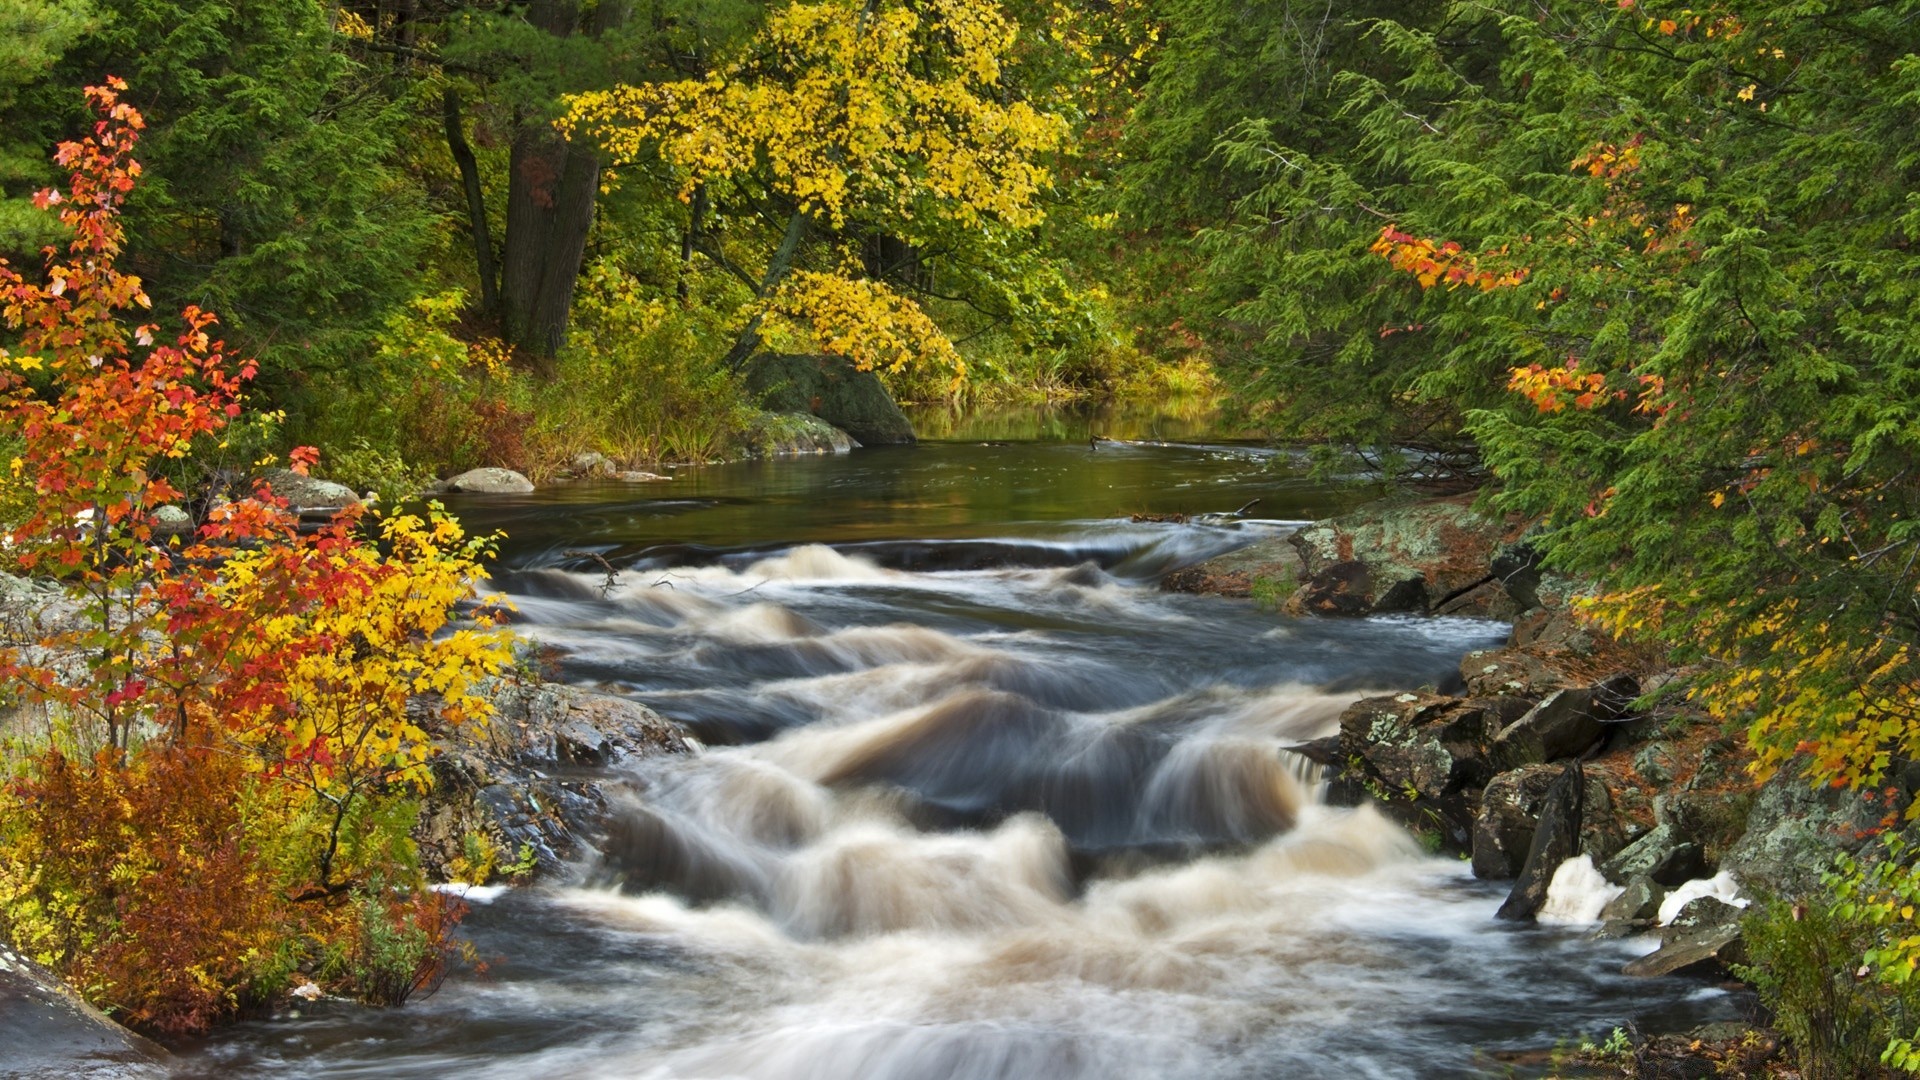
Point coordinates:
[(1803, 960)]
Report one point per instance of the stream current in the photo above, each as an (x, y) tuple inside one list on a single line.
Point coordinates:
[(977, 801)]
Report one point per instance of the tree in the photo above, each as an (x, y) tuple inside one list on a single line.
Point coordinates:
[(251, 691), (841, 128)]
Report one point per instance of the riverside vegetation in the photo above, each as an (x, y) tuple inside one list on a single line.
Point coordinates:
[(1644, 271)]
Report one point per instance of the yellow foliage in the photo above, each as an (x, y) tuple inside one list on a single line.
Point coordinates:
[(864, 321), (841, 104)]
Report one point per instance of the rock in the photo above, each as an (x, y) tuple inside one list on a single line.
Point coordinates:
[(638, 476), (1555, 840), (1395, 556), (1700, 952), (1638, 902), (497, 782), (1424, 754), (1655, 763), (46, 1031), (1561, 725), (591, 463), (1702, 913), (1794, 831), (171, 520), (1274, 561), (308, 494), (489, 480), (1510, 811), (1522, 671), (787, 434), (1663, 855), (831, 388)]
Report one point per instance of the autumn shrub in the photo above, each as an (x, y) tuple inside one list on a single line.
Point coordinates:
[(1805, 964), (239, 722)]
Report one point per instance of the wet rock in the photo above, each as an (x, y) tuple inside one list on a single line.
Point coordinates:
[(591, 463), (1708, 953), (793, 433), (1714, 818), (1340, 589), (638, 476), (490, 480), (309, 494), (1639, 902), (1423, 755), (831, 388), (534, 780), (48, 1033), (1273, 565), (1664, 855), (1426, 556), (1510, 810), (1555, 840), (1561, 725), (1702, 913)]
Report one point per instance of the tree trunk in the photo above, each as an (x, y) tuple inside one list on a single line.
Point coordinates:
[(777, 268), (476, 204), (551, 185)]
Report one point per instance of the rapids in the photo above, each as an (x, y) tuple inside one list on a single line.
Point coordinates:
[(977, 801)]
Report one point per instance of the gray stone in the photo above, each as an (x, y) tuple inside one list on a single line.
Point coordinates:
[(591, 463), (1702, 913), (1794, 830), (1432, 555), (490, 480), (1510, 809), (1702, 952), (1423, 755), (789, 434), (831, 388), (48, 1033), (1562, 725), (638, 476), (171, 520), (1663, 855), (1654, 762), (307, 494), (1639, 903), (1555, 840)]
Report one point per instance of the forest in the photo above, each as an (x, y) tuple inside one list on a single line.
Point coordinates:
[(1642, 274)]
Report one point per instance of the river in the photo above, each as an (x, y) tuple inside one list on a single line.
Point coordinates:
[(978, 800)]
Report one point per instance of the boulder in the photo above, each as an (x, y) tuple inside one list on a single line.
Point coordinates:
[(1510, 810), (1638, 902), (1395, 556), (1664, 856), (535, 778), (1794, 830), (489, 480), (591, 463), (1555, 840), (1273, 561), (786, 434), (1710, 953), (309, 494), (1425, 755), (171, 520), (48, 1033), (1561, 725), (831, 388)]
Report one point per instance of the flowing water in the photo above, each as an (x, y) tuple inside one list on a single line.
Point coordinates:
[(978, 801)]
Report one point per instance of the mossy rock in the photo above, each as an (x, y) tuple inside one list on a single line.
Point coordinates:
[(831, 388)]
